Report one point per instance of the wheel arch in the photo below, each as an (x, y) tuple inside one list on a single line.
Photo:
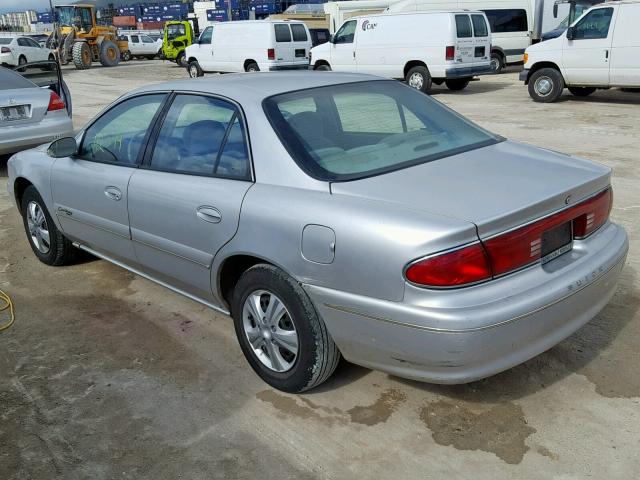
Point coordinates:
[(231, 269), (319, 63), (537, 66), (413, 63), (248, 62), (20, 185)]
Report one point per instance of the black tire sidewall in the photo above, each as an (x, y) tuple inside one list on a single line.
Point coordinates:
[(500, 60), (253, 67), (303, 316), (195, 63), (31, 194), (558, 85), (457, 84)]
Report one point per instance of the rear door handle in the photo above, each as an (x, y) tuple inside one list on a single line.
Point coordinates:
[(113, 193), (209, 214)]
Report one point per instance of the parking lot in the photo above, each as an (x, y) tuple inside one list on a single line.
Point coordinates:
[(107, 375)]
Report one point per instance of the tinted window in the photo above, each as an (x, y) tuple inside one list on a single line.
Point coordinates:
[(283, 34), (479, 26), (504, 21), (463, 26), (359, 129), (207, 35), (135, 39), (299, 32), (118, 135), (594, 24), (202, 135), (346, 32)]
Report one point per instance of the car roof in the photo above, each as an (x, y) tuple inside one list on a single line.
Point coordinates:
[(244, 87)]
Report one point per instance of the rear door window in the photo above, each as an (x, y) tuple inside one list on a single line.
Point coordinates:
[(507, 20), (283, 34), (299, 33), (463, 26), (479, 26)]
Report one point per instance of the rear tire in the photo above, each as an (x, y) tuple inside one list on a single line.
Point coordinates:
[(252, 67), (419, 78), (457, 84), (497, 62), (581, 91), (55, 250), (194, 69), (126, 56), (109, 54), (81, 53), (181, 60), (546, 85), (316, 355), (22, 60)]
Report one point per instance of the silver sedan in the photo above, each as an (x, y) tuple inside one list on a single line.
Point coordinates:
[(333, 215)]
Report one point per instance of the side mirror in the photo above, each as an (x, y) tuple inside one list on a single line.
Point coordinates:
[(63, 147), (555, 10), (571, 33)]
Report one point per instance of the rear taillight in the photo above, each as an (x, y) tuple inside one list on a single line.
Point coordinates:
[(55, 102), (271, 53), (450, 52), (5, 50), (508, 251), (451, 269)]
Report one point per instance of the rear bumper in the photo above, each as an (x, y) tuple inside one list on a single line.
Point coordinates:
[(463, 335), (21, 137), (296, 66), (462, 72)]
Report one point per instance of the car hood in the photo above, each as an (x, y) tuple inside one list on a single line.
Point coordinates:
[(496, 187)]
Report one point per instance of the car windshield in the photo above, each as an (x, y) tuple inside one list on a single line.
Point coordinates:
[(350, 131), (5, 41), (176, 30)]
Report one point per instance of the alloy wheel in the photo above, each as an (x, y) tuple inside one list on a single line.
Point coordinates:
[(416, 81), (38, 229)]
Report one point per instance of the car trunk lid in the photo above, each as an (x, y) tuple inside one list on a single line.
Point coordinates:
[(23, 106)]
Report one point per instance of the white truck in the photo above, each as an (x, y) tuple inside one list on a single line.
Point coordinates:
[(421, 48), (601, 49)]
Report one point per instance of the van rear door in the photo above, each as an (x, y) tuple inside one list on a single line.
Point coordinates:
[(284, 46), (482, 38), (471, 47), (301, 43)]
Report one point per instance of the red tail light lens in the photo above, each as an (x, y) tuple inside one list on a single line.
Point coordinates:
[(451, 269), (55, 103), (509, 251), (450, 52), (5, 50), (271, 53)]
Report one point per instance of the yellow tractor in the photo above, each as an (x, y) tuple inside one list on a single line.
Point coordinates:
[(79, 39)]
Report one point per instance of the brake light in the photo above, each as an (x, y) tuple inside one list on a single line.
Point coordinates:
[(55, 102), (5, 50), (451, 269), (508, 251), (271, 53), (450, 53)]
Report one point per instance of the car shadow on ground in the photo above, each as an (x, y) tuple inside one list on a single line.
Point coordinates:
[(613, 96)]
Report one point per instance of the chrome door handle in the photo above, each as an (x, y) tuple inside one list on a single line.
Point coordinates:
[(209, 214), (113, 193)]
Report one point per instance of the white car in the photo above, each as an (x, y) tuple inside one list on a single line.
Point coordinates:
[(16, 51), (600, 50), (419, 47), (141, 45), (250, 46)]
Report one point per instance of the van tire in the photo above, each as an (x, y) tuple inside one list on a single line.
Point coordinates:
[(323, 68), (546, 85), (581, 91), (194, 69), (457, 83), (252, 67), (497, 62), (419, 78)]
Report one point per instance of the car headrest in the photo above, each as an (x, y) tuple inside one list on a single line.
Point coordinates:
[(204, 137)]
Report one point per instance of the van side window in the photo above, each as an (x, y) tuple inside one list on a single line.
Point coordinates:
[(346, 32), (594, 25), (506, 21), (463, 26), (479, 26), (299, 32), (283, 34)]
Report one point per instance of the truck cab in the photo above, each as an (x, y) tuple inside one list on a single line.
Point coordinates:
[(177, 36)]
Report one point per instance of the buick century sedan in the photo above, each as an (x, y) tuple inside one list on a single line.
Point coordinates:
[(333, 215)]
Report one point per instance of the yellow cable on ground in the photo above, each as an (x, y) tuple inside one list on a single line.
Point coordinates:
[(8, 305)]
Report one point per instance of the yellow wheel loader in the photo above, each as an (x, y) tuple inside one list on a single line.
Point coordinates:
[(79, 39)]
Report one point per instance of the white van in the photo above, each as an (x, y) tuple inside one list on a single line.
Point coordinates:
[(421, 48), (250, 46), (600, 50)]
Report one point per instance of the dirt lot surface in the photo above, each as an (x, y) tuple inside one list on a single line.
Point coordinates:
[(106, 375)]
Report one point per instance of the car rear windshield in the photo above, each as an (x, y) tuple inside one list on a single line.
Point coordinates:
[(5, 41), (10, 80), (356, 130)]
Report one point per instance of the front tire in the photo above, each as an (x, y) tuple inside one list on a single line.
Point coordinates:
[(81, 53), (419, 78), (546, 85), (323, 68), (457, 83), (581, 91), (281, 335), (194, 69), (48, 244)]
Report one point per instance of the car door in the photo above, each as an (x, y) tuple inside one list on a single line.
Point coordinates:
[(148, 45), (343, 48), (586, 57), (135, 45), (203, 49), (24, 50), (184, 203), (34, 52), (90, 188), (625, 48)]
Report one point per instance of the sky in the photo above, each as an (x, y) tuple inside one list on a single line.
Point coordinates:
[(22, 5)]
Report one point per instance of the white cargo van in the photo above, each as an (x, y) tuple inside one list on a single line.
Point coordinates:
[(421, 47), (250, 46), (600, 50)]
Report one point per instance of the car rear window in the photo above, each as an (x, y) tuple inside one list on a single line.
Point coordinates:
[(5, 41), (355, 130), (479, 26), (463, 26), (10, 80), (299, 33), (283, 34)]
